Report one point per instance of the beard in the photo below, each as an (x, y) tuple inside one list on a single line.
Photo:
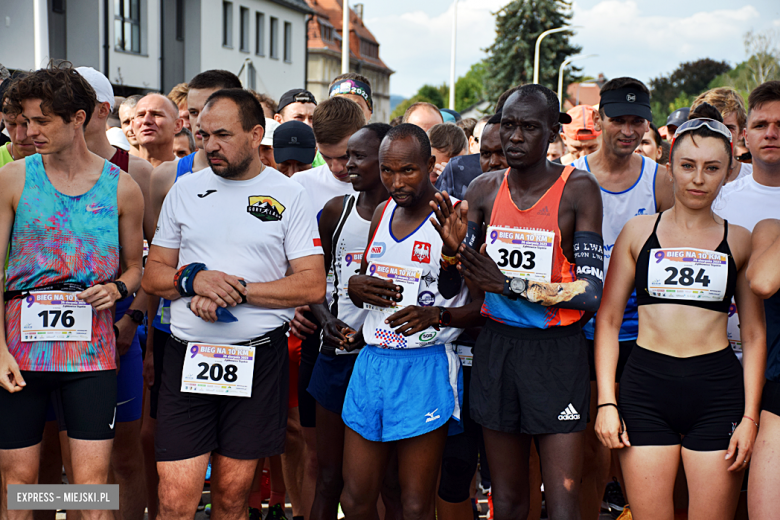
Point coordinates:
[(230, 170)]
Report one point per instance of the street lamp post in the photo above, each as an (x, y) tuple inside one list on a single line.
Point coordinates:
[(539, 41), (560, 73), (345, 37), (452, 53)]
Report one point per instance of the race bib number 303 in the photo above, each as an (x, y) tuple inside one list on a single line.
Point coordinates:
[(687, 274), (218, 370), (407, 278), (524, 253), (55, 316)]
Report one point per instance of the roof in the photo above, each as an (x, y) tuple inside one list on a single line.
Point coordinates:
[(296, 5), (582, 94), (329, 13)]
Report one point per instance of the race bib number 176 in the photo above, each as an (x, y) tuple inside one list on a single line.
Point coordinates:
[(55, 316)]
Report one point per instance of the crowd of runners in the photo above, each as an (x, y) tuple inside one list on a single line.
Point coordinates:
[(569, 311)]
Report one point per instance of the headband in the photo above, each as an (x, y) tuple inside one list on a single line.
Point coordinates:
[(352, 86)]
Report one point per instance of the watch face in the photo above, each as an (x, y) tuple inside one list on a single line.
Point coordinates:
[(517, 285)]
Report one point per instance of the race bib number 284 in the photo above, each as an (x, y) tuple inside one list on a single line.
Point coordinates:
[(685, 273)]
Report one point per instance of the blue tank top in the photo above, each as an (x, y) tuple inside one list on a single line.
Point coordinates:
[(162, 320), (772, 309), (619, 208)]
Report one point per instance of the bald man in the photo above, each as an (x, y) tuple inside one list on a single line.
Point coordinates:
[(155, 126), (425, 115)]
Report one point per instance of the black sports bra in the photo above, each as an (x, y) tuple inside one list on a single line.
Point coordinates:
[(675, 279)]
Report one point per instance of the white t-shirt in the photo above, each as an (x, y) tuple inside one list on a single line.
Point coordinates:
[(250, 229), (745, 202), (745, 169), (321, 186)]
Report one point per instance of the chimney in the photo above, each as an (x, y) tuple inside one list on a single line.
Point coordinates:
[(358, 8)]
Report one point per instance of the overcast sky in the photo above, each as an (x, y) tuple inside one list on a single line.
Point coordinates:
[(639, 38)]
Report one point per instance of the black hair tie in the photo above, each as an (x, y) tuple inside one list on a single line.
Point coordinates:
[(620, 416)]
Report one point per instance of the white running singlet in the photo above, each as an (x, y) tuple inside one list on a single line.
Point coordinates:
[(619, 208), (349, 244), (420, 250)]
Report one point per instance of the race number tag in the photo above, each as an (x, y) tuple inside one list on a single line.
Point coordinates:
[(735, 340), (524, 253), (218, 370), (55, 316), (465, 355), (408, 278), (351, 264), (684, 273)]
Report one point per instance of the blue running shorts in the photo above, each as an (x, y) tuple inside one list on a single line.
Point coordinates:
[(400, 394), (330, 379)]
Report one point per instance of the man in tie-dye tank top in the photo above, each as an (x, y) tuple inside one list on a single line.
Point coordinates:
[(72, 219)]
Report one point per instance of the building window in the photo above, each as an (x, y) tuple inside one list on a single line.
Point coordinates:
[(260, 34), (369, 49), (127, 25), (274, 38), (288, 42), (244, 29), (227, 24), (180, 20), (326, 33)]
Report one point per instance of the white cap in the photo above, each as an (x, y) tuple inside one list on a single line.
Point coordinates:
[(103, 88), (268, 137), (117, 138)]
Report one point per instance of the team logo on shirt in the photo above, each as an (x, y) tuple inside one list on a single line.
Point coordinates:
[(377, 250), (426, 299), (266, 208), (421, 252)]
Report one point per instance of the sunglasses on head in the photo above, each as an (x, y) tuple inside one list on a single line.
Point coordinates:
[(693, 124)]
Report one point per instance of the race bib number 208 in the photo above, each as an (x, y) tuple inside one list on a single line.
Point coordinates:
[(687, 274)]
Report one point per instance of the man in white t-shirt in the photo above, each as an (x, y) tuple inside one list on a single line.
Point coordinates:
[(746, 202), (334, 122), (236, 249)]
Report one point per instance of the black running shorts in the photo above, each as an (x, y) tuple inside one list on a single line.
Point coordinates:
[(531, 381), (696, 401), (246, 428), (88, 401), (770, 399)]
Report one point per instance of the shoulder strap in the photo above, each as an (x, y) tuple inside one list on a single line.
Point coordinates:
[(657, 220), (725, 230), (567, 172), (349, 203), (121, 158)]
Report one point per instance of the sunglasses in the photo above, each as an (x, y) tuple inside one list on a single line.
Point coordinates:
[(693, 124)]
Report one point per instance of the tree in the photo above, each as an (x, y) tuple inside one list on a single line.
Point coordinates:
[(470, 88), (762, 64), (510, 59), (689, 79)]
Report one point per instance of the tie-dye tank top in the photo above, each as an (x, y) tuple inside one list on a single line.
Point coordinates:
[(60, 238)]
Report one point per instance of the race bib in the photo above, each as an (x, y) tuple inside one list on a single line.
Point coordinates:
[(465, 355), (218, 370), (351, 265), (684, 273), (523, 253), (735, 340), (55, 316), (408, 278), (146, 252)]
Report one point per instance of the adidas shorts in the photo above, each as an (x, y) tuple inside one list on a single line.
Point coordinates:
[(531, 381)]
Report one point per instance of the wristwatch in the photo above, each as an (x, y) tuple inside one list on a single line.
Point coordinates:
[(444, 317), (514, 287), (121, 287), (136, 315)]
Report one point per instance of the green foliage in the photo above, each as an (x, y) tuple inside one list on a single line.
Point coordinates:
[(682, 86), (470, 88), (763, 64), (510, 59)]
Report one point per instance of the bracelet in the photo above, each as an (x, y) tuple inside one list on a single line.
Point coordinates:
[(184, 279), (450, 260), (620, 416), (751, 419)]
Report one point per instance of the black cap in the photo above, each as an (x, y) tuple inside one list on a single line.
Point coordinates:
[(296, 95), (626, 101), (678, 117), (294, 140)]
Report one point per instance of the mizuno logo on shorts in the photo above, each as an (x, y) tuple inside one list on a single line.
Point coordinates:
[(569, 414)]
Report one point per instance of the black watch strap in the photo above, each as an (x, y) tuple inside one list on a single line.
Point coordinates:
[(508, 289), (121, 287), (136, 315)]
